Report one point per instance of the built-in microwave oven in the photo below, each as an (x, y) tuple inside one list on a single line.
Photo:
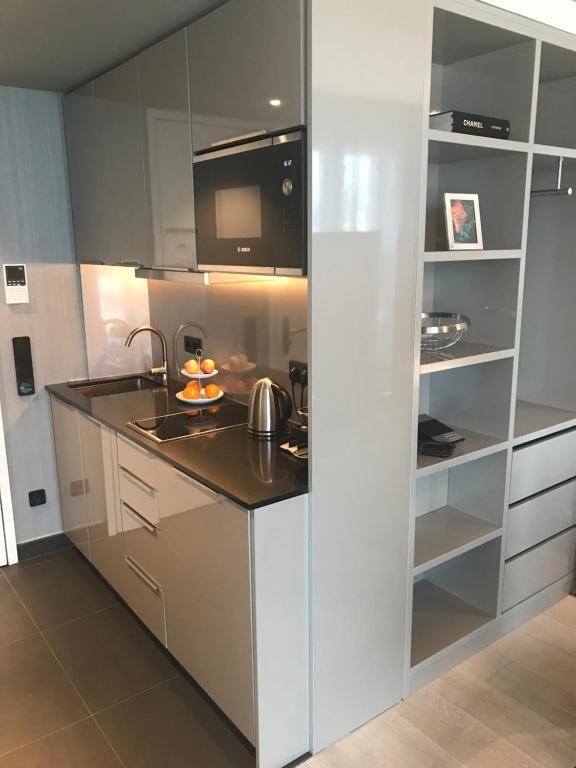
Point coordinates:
[(250, 204)]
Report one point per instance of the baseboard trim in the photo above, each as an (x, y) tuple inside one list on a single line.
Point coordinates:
[(45, 546)]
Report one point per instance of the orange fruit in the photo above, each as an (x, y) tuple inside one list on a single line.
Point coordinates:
[(189, 394), (212, 390)]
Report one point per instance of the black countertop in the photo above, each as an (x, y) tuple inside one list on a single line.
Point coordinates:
[(249, 472)]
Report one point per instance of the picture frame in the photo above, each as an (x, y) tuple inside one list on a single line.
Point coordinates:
[(463, 223)]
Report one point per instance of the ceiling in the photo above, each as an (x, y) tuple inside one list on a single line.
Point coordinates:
[(55, 45)]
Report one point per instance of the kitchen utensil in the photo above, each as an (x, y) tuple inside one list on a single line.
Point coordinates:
[(269, 408), (440, 330)]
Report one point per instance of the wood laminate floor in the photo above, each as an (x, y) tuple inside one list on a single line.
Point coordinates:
[(511, 706)]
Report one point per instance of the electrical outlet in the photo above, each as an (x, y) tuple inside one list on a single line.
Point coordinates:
[(298, 372), (192, 343), (37, 498)]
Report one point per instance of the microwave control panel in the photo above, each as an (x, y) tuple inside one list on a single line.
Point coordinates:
[(15, 284)]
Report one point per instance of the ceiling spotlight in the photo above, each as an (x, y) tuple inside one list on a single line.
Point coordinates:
[(275, 103)]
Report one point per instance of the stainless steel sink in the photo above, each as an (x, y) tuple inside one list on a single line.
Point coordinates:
[(117, 386)]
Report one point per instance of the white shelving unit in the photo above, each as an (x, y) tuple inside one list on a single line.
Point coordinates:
[(512, 379)]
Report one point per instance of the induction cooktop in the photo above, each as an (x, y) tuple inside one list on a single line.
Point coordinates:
[(191, 423)]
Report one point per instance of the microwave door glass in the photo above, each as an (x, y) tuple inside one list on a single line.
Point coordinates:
[(238, 213)]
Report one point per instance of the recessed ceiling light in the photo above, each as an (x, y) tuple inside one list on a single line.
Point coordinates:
[(275, 103)]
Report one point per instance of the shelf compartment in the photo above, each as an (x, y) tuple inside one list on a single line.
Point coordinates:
[(546, 370), (498, 176), (458, 509), (482, 69), (485, 291), (536, 420), (442, 256), (475, 446), (556, 112), (452, 600), (460, 355)]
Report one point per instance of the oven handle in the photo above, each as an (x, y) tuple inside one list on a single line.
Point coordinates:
[(236, 150)]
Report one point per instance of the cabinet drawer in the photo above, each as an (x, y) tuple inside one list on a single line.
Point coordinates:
[(145, 596), (141, 541), (139, 495), (538, 568), (138, 461), (543, 464), (540, 518)]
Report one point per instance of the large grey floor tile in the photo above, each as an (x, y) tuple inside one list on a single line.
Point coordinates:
[(109, 657), (78, 746), (15, 623), (60, 589), (36, 698), (172, 725)]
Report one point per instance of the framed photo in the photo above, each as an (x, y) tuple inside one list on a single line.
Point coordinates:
[(463, 224)]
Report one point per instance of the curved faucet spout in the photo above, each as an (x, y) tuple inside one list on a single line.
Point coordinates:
[(163, 370)]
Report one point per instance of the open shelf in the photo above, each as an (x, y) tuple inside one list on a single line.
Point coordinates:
[(470, 140), (535, 420), (440, 619), (460, 355), (455, 598), (448, 532), (496, 175), (458, 509), (475, 401), (556, 115), (433, 257), (482, 69), (475, 446), (485, 291)]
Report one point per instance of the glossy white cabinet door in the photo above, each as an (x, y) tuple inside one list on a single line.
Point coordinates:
[(124, 234), (208, 602), (70, 474), (246, 69), (100, 483)]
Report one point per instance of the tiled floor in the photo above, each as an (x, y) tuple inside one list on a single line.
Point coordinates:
[(511, 706), (82, 685)]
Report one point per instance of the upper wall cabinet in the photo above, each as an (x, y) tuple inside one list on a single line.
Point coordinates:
[(125, 235), (246, 69), (78, 109), (165, 119)]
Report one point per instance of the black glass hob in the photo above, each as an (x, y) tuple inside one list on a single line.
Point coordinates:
[(192, 422)]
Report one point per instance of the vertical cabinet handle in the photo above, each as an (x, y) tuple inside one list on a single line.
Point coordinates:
[(142, 575)]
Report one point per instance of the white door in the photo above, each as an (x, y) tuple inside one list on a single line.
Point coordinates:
[(8, 552)]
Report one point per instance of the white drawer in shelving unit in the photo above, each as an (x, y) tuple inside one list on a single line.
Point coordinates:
[(139, 496), (541, 517), (541, 465), (138, 461), (538, 568)]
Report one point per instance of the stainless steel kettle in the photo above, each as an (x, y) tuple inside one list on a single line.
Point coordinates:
[(269, 409)]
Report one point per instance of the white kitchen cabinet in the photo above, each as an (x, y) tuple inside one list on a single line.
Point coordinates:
[(208, 596), (98, 445), (246, 69), (70, 474)]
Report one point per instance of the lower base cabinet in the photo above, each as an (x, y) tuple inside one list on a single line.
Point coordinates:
[(224, 588), (208, 603)]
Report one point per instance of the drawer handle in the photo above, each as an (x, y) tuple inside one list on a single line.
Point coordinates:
[(142, 575), (141, 519), (140, 483)]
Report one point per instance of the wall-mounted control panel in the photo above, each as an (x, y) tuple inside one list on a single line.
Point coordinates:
[(23, 366), (15, 283)]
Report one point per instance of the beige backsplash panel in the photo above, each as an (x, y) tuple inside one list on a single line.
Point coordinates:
[(266, 320)]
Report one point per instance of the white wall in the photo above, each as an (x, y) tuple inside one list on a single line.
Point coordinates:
[(35, 229)]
